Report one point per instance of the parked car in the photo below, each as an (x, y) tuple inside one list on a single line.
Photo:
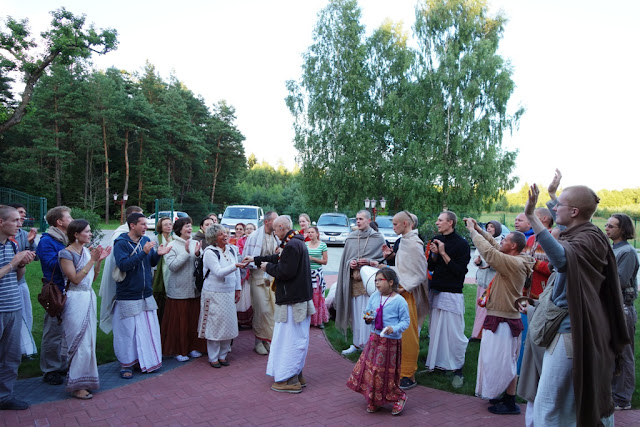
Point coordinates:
[(334, 228), (385, 227), (241, 213), (151, 219)]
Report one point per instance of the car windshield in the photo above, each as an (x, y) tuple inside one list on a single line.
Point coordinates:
[(241, 213), (333, 220), (384, 222)]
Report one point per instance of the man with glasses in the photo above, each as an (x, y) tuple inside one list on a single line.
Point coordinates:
[(575, 382), (620, 229)]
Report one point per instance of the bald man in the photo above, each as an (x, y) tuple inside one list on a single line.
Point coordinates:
[(522, 225), (293, 309), (411, 266), (575, 383)]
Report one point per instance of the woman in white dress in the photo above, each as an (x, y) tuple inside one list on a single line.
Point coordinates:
[(221, 290), (80, 267)]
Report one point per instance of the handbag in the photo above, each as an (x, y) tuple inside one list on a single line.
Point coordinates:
[(52, 298), (546, 320), (119, 275)]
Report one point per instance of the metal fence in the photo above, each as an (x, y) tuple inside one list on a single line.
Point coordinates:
[(36, 207)]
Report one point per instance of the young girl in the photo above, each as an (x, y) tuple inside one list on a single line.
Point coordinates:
[(377, 374), (318, 257)]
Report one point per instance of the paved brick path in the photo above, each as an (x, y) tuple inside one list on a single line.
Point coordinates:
[(196, 394)]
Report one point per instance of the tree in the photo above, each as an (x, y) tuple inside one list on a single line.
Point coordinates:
[(465, 87), (65, 41), (330, 105)]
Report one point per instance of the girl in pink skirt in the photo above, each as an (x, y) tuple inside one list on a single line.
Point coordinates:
[(317, 257), (377, 373)]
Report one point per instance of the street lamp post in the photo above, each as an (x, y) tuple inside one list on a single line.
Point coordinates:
[(122, 202), (371, 204)]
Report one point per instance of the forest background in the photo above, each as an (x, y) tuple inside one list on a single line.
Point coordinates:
[(88, 133)]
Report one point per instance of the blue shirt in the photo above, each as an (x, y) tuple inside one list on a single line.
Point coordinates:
[(395, 314)]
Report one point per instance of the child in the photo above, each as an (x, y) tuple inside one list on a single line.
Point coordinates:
[(318, 257), (377, 374)]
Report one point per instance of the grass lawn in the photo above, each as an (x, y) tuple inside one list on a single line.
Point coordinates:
[(442, 381)]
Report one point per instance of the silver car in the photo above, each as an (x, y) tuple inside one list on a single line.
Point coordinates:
[(334, 228), (385, 227)]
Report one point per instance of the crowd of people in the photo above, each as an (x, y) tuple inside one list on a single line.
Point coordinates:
[(554, 311)]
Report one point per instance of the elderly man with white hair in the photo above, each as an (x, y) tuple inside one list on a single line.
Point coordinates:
[(294, 307)]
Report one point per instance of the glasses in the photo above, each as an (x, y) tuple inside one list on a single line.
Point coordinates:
[(610, 226), (381, 280), (568, 206)]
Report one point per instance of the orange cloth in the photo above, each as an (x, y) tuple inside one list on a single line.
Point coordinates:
[(410, 340)]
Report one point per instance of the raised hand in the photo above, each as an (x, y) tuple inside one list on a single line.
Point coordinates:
[(555, 183), (246, 260), (198, 246), (433, 247), (186, 245), (163, 250), (534, 192), (471, 224), (32, 234)]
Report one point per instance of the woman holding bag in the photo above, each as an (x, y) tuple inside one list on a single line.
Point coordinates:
[(80, 267)]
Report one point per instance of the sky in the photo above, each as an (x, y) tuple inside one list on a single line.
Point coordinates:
[(575, 65)]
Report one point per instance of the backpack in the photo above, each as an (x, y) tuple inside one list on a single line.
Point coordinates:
[(199, 273)]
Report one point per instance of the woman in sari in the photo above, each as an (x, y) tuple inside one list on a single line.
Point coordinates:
[(80, 267), (161, 275)]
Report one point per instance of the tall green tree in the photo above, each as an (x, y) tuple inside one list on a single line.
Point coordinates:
[(466, 86), (330, 104), (67, 39)]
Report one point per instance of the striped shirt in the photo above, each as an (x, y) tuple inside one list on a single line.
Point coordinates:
[(9, 292), (316, 253)]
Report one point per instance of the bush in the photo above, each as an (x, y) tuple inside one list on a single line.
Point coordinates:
[(94, 222)]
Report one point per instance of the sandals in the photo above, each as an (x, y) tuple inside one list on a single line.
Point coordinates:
[(82, 396), (126, 373), (372, 408), (399, 406), (215, 364)]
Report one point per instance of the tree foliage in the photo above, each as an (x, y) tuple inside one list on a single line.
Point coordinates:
[(91, 133), (421, 126), (68, 39)]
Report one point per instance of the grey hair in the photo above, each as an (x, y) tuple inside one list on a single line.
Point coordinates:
[(285, 220), (366, 213), (212, 233)]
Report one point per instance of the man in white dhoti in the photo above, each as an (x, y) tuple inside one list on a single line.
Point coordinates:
[(108, 285), (448, 261), (262, 242), (136, 332), (500, 345), (294, 307), (362, 247)]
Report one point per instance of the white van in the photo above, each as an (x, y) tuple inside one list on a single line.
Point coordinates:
[(241, 213)]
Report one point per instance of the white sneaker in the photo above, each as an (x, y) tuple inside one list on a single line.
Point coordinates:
[(181, 358), (350, 350), (195, 354)]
